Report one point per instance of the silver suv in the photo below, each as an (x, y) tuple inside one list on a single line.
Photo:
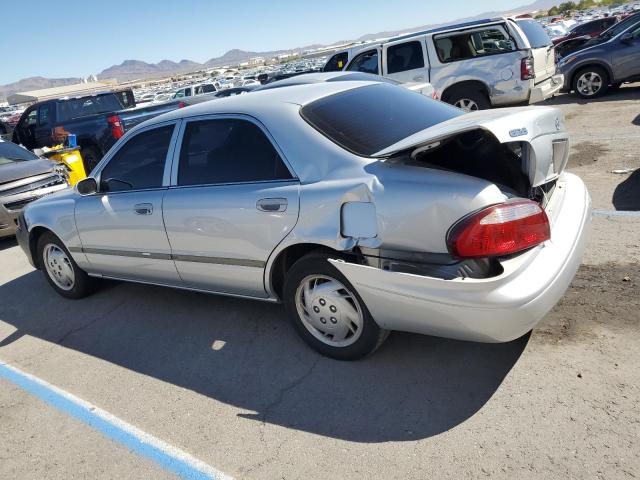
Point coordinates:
[(473, 65)]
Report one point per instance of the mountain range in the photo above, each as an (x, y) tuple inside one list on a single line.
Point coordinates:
[(134, 69)]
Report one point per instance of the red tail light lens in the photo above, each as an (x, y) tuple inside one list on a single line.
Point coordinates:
[(182, 105), (526, 69), (499, 230), (116, 126)]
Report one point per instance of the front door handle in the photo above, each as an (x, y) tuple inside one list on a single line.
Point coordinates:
[(272, 204), (143, 209)]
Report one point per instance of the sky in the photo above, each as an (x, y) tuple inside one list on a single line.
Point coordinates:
[(76, 38)]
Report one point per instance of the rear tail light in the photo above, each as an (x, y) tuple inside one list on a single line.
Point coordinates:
[(116, 126), (182, 105), (526, 69), (499, 230)]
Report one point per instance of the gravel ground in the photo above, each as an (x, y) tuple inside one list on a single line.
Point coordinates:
[(229, 382)]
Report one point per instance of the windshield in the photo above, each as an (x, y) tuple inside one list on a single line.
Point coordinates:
[(366, 120), (12, 153), (535, 33)]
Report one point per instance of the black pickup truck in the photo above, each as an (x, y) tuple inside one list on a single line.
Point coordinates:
[(96, 120)]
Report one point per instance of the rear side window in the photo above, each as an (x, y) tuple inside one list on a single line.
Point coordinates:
[(405, 56), (477, 43), (535, 33), (366, 62), (208, 88), (139, 163), (366, 120), (337, 62), (83, 107), (228, 151)]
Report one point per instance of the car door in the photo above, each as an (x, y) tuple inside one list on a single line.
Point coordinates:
[(233, 199), (405, 61), (26, 128), (625, 54), (121, 226)]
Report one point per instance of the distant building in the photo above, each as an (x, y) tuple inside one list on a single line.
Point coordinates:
[(256, 61), (75, 90)]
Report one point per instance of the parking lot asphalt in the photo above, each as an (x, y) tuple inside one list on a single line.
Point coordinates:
[(229, 382)]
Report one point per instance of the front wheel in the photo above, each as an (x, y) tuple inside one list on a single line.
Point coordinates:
[(327, 312), (60, 270), (591, 82)]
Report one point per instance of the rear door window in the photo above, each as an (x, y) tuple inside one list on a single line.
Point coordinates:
[(139, 163), (228, 151), (366, 62), (43, 114), (492, 40), (405, 56)]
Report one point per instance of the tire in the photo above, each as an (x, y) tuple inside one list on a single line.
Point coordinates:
[(469, 100), (71, 281), (334, 299), (590, 82), (91, 158)]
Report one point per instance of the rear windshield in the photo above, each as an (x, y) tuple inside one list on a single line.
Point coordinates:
[(535, 33), (82, 107), (368, 119)]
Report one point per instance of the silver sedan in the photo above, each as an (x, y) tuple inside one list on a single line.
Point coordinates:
[(362, 206)]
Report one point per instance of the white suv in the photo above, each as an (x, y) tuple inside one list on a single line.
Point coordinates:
[(473, 65)]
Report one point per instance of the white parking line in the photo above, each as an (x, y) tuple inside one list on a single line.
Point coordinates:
[(168, 457), (616, 213)]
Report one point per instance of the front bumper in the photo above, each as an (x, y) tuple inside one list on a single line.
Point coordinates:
[(547, 89), (497, 309)]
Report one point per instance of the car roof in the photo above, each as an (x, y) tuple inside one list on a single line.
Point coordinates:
[(260, 101)]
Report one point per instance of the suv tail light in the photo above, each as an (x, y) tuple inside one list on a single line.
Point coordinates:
[(499, 230), (526, 69), (182, 105), (116, 126)]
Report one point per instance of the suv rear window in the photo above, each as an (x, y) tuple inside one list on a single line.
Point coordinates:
[(368, 119), (535, 33), (491, 40), (83, 107)]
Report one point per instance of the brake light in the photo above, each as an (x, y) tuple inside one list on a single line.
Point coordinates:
[(499, 230), (116, 126), (182, 105), (526, 69)]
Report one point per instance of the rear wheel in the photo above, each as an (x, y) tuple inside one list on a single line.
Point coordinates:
[(591, 82), (327, 312), (468, 100), (60, 270)]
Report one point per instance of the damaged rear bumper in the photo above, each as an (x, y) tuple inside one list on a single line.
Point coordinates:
[(496, 309)]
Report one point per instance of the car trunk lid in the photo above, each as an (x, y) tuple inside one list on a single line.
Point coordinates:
[(542, 128)]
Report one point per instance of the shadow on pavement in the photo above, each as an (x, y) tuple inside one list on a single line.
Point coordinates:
[(413, 387), (630, 92), (636, 121), (626, 196), (7, 242)]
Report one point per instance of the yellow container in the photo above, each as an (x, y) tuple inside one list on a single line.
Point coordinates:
[(72, 159)]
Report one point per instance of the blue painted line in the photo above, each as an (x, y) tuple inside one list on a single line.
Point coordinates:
[(167, 457)]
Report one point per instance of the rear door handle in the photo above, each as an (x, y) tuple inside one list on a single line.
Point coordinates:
[(272, 204), (143, 209)]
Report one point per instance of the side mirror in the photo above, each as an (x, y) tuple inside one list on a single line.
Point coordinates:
[(627, 38), (87, 186)]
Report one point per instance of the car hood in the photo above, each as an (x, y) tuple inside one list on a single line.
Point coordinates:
[(28, 168)]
